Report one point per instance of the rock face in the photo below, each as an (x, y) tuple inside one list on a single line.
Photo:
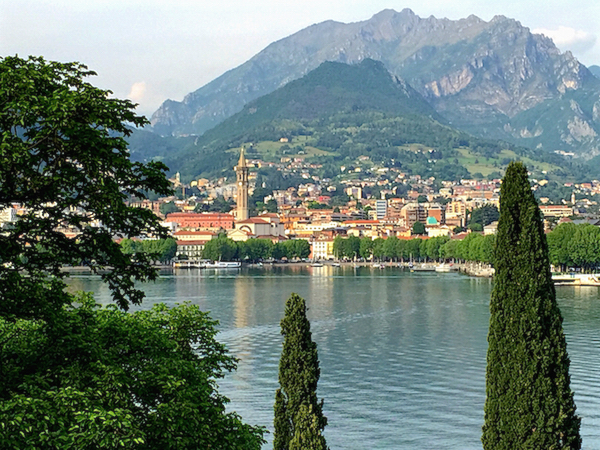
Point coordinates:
[(484, 77)]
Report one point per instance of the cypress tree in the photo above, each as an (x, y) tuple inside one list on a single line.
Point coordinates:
[(299, 419), (529, 403)]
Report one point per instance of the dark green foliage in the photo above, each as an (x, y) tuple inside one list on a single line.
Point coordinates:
[(168, 208), (346, 247), (529, 403), (220, 249), (299, 419), (474, 226), (105, 379), (219, 204), (254, 250), (484, 215), (555, 191), (295, 248), (64, 157), (73, 375), (162, 250), (418, 228), (281, 423)]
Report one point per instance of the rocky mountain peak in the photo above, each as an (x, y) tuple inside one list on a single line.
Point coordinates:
[(480, 75)]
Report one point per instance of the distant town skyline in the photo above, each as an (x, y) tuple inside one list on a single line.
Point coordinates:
[(153, 50)]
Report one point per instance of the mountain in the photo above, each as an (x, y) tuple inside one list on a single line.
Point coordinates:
[(595, 71), (330, 89), (338, 114), (484, 77)]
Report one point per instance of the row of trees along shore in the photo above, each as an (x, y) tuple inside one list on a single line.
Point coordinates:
[(570, 246), (76, 375), (224, 249), (474, 247)]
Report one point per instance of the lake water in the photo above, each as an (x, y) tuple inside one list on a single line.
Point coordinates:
[(402, 354)]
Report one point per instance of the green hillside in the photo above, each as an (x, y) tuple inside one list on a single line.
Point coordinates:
[(336, 114)]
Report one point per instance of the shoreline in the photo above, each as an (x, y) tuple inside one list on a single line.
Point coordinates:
[(471, 269)]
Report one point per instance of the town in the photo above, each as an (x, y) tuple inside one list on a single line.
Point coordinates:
[(426, 208), (307, 211)]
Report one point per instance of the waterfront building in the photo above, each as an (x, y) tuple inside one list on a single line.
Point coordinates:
[(322, 247), (201, 221), (191, 243)]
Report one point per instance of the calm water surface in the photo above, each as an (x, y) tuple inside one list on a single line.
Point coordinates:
[(402, 354)]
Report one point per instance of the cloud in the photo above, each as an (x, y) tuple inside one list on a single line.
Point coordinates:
[(137, 93), (566, 38)]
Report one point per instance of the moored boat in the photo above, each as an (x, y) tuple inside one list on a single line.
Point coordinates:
[(445, 268), (223, 265)]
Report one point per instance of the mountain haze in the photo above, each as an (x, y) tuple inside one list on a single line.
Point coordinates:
[(338, 114), (307, 106), (484, 77)]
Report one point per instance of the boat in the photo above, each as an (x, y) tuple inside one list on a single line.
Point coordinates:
[(378, 266), (576, 279), (423, 268), (223, 265), (316, 264), (445, 268), (336, 265), (188, 264)]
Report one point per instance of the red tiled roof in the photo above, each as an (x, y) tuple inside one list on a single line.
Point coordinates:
[(193, 233), (253, 220), (191, 242)]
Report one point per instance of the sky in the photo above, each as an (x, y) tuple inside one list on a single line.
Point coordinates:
[(153, 50)]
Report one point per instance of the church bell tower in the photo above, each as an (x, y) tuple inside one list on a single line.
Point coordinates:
[(241, 171)]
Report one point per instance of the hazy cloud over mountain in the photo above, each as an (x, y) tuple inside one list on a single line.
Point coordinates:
[(174, 47)]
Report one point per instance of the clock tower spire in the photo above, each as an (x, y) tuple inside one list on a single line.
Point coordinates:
[(241, 171)]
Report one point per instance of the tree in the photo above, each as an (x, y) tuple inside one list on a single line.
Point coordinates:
[(484, 215), (73, 375), (272, 206), (412, 249), (379, 248), (255, 249), (168, 208), (64, 158), (559, 245), (529, 403), (366, 247), (474, 226), (418, 228), (339, 247), (220, 249), (163, 250), (352, 246), (584, 247), (100, 378), (299, 420), (391, 248)]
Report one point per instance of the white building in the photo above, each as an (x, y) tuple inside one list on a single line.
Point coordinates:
[(380, 209)]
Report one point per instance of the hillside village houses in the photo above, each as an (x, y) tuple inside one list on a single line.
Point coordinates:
[(377, 207)]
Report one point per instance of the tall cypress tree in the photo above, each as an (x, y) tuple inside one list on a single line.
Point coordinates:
[(299, 419), (529, 403)]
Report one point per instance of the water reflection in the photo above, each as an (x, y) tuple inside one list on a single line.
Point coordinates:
[(402, 355)]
